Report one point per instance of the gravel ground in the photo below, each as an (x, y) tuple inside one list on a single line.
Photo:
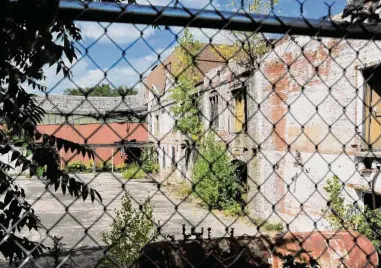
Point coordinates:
[(83, 222)]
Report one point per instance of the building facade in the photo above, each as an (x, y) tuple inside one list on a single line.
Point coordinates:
[(310, 112), (171, 146)]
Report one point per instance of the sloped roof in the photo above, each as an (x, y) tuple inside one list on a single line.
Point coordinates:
[(206, 60), (80, 105)]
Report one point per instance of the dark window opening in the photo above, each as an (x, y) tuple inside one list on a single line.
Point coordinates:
[(214, 109), (187, 159), (173, 156), (368, 200), (241, 171)]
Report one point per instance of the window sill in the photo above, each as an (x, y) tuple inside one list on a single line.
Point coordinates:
[(238, 133), (368, 154)]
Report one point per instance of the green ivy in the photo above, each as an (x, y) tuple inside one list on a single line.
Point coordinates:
[(185, 94)]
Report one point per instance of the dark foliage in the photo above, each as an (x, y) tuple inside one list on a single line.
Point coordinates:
[(103, 90), (29, 42), (362, 11)]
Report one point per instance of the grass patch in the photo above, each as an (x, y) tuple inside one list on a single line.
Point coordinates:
[(133, 172), (181, 190), (268, 226)]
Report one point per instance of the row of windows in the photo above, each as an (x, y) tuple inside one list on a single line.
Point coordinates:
[(239, 116)]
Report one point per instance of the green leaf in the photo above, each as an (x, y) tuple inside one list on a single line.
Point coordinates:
[(98, 195), (40, 171), (15, 155), (92, 195)]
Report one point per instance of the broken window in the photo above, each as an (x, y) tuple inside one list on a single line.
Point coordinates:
[(240, 111), (368, 200), (214, 109), (372, 108)]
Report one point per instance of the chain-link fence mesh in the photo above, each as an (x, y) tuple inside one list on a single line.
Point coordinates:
[(190, 134)]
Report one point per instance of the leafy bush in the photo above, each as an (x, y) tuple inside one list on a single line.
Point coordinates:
[(120, 168), (131, 230), (149, 161), (214, 175), (349, 216), (134, 172), (76, 166)]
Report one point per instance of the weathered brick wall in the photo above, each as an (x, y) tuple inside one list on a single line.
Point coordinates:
[(307, 97), (241, 146), (310, 94)]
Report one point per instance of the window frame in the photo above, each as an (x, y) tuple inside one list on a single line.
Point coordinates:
[(236, 93), (214, 116)]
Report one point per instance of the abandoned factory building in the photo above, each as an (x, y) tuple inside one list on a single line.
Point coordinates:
[(297, 120)]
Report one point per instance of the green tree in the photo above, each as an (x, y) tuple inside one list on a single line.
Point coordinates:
[(103, 90), (131, 230), (31, 39), (246, 47)]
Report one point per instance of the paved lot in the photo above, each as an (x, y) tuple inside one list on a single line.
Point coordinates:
[(97, 217)]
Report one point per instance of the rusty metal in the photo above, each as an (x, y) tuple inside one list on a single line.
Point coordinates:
[(328, 249)]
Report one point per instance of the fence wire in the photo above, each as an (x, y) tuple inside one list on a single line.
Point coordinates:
[(190, 134)]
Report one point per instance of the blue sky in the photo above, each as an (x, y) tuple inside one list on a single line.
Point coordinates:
[(105, 51)]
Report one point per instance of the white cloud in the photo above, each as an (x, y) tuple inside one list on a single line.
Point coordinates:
[(120, 33), (87, 75)]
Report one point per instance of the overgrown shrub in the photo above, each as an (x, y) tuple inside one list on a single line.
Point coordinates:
[(214, 175), (134, 172), (130, 231), (120, 168), (350, 216), (149, 161), (76, 167)]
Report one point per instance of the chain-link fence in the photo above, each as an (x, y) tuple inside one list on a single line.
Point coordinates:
[(190, 133)]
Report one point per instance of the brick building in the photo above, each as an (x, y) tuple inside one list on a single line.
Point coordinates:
[(305, 118)]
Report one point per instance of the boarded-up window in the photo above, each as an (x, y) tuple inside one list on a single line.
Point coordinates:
[(372, 108), (214, 109), (240, 111)]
